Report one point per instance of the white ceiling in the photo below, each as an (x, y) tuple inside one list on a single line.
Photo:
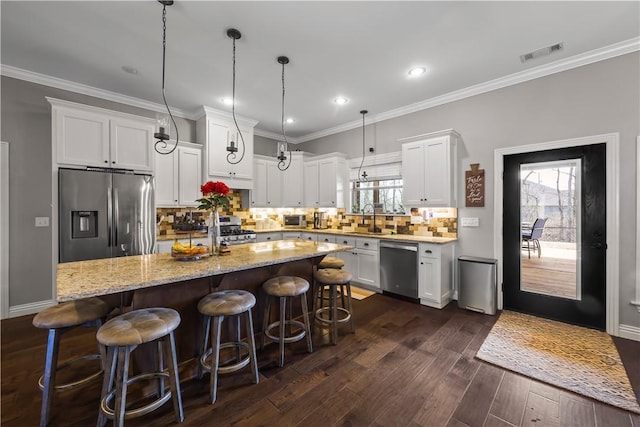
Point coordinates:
[(361, 50)]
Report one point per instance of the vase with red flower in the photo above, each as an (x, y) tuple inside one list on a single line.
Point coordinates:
[(214, 194)]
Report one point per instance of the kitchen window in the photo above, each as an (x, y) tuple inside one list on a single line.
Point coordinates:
[(387, 193)]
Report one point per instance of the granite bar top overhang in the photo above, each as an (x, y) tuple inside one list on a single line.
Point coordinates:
[(84, 279), (380, 236)]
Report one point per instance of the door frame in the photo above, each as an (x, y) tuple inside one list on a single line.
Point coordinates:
[(4, 230), (613, 232)]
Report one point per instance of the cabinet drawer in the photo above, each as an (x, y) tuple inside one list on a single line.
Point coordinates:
[(371, 244), (327, 238), (430, 251), (344, 240), (312, 237)]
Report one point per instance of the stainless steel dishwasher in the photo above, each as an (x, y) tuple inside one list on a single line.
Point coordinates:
[(399, 268)]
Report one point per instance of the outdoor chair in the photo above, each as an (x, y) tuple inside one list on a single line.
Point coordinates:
[(533, 235)]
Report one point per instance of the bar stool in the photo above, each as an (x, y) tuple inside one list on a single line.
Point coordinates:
[(285, 288), (121, 335), (322, 293), (60, 319), (334, 278), (331, 262), (217, 305)]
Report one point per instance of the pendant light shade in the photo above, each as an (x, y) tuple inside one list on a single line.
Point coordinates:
[(362, 175), (163, 121), (232, 146), (283, 146)]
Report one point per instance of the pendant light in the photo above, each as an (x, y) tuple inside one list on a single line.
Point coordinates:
[(162, 121), (284, 145), (232, 147), (364, 173)]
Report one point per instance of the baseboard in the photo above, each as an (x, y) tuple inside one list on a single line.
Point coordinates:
[(629, 332), (31, 308)]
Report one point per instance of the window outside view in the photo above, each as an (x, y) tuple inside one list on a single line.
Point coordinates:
[(387, 193)]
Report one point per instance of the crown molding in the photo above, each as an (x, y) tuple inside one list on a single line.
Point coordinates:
[(42, 79), (607, 52), (224, 115)]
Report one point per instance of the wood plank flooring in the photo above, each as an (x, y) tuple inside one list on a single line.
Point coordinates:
[(551, 276), (406, 365)]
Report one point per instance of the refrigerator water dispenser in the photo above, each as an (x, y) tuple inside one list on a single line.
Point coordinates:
[(84, 224)]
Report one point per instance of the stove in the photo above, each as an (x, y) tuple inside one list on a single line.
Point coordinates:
[(231, 232)]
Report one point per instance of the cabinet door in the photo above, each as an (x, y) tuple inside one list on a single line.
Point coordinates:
[(326, 238), (190, 175), (131, 144), (82, 137), (243, 169), (368, 268), (327, 170), (311, 237), (437, 175), (413, 174), (217, 164), (268, 237), (164, 247), (259, 192), (166, 176), (292, 184), (350, 259), (429, 279), (274, 185), (311, 185)]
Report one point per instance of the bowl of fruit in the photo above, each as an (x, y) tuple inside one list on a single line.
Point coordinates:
[(188, 252)]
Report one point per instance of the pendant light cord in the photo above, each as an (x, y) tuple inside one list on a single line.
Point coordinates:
[(284, 135), (232, 155), (364, 178), (161, 144)]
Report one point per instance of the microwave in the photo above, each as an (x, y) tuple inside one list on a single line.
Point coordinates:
[(295, 221)]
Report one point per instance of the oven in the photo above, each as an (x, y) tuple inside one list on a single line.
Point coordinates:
[(231, 232)]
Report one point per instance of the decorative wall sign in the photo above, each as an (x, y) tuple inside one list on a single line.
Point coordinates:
[(474, 187)]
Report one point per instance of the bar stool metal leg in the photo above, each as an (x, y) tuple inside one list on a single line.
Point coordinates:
[(215, 358), (283, 319), (53, 346), (176, 393), (305, 315), (252, 347), (121, 385)]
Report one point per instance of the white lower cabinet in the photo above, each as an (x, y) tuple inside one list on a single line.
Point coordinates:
[(435, 274), (311, 237), (291, 235), (327, 238), (164, 246), (268, 237), (363, 261)]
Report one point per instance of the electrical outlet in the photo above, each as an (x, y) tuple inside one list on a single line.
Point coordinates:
[(42, 221), (470, 222)]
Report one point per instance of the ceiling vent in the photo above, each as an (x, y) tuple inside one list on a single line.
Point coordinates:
[(541, 52)]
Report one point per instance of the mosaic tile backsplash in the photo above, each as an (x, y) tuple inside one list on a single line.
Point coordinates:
[(435, 222)]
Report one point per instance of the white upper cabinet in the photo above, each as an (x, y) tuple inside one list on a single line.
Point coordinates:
[(429, 169), (179, 176), (267, 184), (214, 130), (293, 182), (90, 136), (326, 183)]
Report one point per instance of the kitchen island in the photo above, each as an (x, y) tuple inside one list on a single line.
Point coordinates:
[(158, 280)]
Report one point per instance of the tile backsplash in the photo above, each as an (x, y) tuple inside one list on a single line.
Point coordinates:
[(436, 222)]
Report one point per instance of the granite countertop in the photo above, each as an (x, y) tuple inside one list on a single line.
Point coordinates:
[(83, 279), (381, 236)]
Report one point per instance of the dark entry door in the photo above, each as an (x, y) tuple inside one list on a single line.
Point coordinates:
[(587, 305)]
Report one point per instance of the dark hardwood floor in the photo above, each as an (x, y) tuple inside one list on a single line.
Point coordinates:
[(406, 365)]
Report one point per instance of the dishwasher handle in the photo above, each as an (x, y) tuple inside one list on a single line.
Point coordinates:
[(412, 248)]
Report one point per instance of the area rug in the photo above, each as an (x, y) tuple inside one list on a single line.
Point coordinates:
[(359, 293), (578, 359)]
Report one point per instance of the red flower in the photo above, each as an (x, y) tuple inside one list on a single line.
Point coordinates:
[(214, 194)]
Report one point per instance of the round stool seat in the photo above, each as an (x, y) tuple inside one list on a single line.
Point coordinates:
[(72, 313), (286, 286), (226, 303), (329, 276), (331, 262), (138, 326)]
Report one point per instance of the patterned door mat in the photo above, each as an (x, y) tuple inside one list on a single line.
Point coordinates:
[(581, 360)]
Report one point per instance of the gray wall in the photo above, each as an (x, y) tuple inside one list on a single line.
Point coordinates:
[(26, 126), (265, 146), (594, 99)]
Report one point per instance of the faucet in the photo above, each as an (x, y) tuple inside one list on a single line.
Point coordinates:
[(373, 209)]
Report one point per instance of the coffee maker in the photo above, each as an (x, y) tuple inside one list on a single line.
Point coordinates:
[(319, 220)]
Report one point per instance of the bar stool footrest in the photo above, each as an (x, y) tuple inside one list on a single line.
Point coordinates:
[(287, 339), (244, 361), (77, 383), (319, 312), (137, 412)]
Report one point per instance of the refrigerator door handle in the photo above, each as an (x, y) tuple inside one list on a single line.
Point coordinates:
[(117, 216), (109, 216)]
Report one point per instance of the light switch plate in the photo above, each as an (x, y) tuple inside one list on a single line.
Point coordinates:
[(42, 221), (470, 222)]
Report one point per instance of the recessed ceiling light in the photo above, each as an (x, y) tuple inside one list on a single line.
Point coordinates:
[(227, 101), (418, 71), (289, 121), (341, 100), (129, 69)]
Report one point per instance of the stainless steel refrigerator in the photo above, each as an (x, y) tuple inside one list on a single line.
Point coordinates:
[(105, 213)]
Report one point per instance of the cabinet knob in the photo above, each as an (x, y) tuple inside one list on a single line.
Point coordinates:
[(429, 251), (106, 161), (366, 244), (344, 242), (422, 263), (268, 238), (113, 162), (176, 200)]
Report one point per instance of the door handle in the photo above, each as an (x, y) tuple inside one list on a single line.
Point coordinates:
[(599, 246)]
